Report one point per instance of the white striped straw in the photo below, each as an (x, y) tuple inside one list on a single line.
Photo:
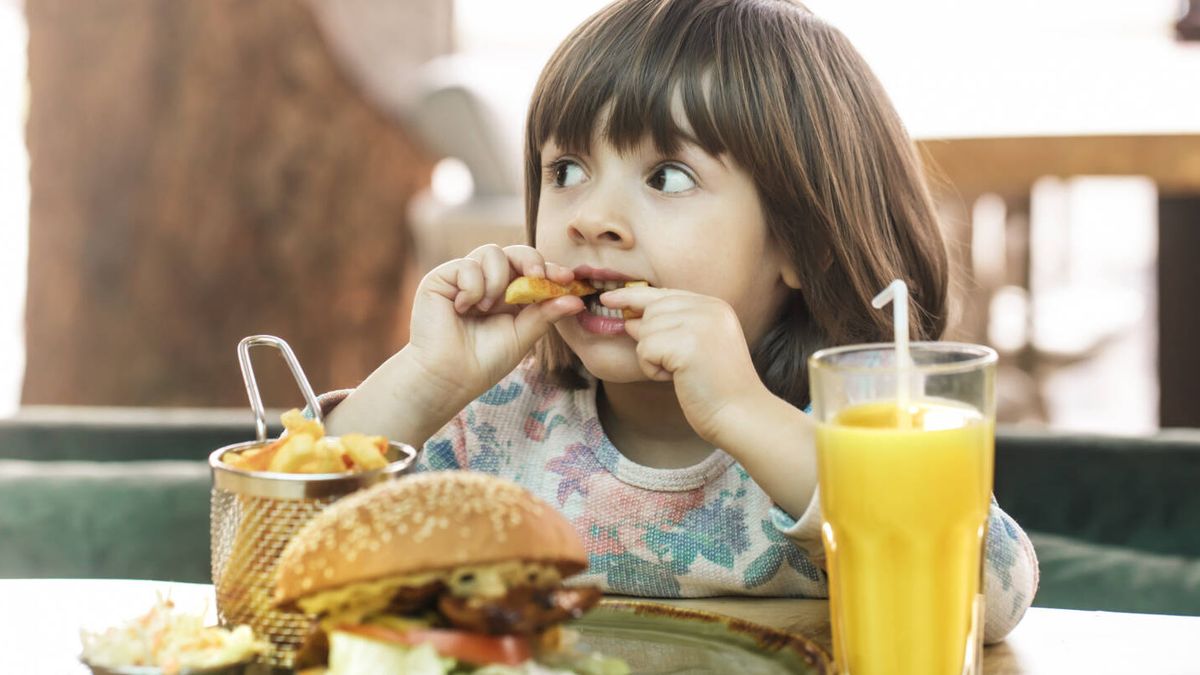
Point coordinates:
[(897, 294)]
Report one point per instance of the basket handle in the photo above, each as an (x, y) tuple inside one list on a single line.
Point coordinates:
[(260, 415)]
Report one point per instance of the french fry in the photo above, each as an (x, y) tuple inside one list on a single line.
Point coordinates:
[(296, 451), (528, 290), (326, 457), (367, 452), (304, 448), (629, 313), (254, 459), (295, 423)]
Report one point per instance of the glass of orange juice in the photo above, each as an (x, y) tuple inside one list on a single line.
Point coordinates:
[(905, 458)]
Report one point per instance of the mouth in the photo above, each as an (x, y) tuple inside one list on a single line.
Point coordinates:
[(603, 279), (597, 275), (592, 302)]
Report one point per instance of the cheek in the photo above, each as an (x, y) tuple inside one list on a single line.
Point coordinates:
[(549, 232)]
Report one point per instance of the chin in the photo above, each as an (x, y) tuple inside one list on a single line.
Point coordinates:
[(611, 359), (614, 373)]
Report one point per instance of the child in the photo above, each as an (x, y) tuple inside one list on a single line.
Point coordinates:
[(740, 157)]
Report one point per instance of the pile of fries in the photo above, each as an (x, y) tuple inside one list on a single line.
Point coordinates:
[(304, 448)]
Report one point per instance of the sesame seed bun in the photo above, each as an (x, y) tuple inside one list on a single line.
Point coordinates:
[(425, 523)]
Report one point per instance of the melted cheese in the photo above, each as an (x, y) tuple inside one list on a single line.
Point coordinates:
[(354, 603)]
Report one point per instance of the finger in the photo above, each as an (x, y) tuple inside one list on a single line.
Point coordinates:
[(525, 261), (469, 280), (637, 297), (633, 328), (535, 320), (654, 322), (559, 273), (496, 274), (653, 353), (445, 279)]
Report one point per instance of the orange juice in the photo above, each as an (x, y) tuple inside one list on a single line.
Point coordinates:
[(905, 501)]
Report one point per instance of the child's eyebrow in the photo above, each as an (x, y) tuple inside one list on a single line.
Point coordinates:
[(684, 138)]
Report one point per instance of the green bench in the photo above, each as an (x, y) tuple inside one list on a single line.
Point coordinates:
[(124, 494)]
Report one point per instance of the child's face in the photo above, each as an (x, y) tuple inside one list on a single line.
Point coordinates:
[(689, 221)]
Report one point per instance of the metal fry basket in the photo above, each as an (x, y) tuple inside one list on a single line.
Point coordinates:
[(255, 514)]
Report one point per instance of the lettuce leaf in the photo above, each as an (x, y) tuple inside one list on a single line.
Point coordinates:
[(351, 654)]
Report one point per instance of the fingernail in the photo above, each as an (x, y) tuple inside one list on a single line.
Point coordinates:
[(485, 304)]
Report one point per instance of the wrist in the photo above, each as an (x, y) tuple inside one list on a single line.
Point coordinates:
[(401, 400), (744, 416), (775, 443), (423, 390)]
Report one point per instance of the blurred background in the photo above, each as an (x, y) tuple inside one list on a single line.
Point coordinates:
[(177, 175)]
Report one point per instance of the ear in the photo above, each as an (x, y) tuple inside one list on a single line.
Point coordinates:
[(789, 275)]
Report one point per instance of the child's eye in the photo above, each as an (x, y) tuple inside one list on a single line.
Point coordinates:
[(566, 173), (670, 179)]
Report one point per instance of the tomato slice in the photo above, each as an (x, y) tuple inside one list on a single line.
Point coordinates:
[(475, 648)]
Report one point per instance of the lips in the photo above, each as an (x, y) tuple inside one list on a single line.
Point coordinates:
[(596, 274)]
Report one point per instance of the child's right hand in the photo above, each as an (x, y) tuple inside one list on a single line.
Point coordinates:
[(463, 336)]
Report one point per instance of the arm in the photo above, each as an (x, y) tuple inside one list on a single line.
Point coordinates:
[(399, 400), (776, 443), (463, 339), (1010, 574)]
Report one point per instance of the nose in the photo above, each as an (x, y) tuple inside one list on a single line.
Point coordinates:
[(601, 220)]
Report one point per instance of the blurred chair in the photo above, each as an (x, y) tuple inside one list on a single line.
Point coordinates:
[(1112, 518)]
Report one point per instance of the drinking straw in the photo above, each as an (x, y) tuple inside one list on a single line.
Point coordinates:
[(897, 294)]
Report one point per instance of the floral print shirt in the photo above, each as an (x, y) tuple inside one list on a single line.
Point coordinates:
[(703, 530)]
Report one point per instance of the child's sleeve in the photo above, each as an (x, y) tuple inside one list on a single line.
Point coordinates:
[(1010, 575)]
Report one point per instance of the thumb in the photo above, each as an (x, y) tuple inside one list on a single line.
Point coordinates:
[(535, 320)]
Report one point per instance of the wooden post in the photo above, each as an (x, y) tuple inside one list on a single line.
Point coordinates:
[(202, 171), (1178, 311)]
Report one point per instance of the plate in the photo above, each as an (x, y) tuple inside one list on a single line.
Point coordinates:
[(656, 638), (238, 668)]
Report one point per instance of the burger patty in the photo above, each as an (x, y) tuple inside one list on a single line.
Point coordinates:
[(412, 599), (524, 610)]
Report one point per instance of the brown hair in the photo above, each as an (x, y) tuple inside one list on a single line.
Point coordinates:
[(789, 99)]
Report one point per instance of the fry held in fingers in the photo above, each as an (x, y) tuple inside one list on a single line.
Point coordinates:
[(528, 290), (629, 313)]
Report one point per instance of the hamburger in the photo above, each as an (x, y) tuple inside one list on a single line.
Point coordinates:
[(436, 573)]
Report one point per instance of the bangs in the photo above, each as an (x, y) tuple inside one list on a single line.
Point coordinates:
[(631, 64)]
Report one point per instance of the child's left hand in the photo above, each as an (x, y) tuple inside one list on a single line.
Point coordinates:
[(697, 342)]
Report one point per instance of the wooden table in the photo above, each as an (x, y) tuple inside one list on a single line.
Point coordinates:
[(40, 621), (1047, 641)]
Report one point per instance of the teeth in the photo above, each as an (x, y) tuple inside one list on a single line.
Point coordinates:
[(597, 309)]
